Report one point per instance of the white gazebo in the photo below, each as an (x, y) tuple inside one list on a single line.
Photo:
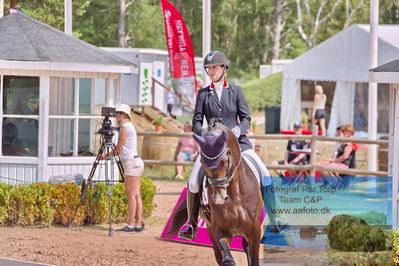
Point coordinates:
[(389, 73), (343, 61), (53, 87)]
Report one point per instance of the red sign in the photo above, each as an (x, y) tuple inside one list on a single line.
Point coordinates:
[(180, 48)]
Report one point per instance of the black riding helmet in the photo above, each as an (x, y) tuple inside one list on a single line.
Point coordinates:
[(216, 58)]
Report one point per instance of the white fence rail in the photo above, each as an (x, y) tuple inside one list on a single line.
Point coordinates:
[(310, 167)]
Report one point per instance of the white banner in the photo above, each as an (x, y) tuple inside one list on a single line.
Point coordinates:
[(145, 82)]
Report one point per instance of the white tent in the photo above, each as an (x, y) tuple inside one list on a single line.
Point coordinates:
[(343, 59)]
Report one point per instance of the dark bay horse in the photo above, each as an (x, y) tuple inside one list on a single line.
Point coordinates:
[(234, 197)]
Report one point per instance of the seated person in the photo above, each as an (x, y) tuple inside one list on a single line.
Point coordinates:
[(12, 144), (345, 157), (186, 150), (292, 154), (339, 134), (255, 146)]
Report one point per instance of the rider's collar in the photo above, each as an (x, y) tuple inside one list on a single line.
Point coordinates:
[(225, 85)]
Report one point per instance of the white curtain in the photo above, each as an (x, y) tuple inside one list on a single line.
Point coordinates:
[(290, 103), (342, 106)]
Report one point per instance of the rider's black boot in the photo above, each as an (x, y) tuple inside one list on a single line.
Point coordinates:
[(192, 210)]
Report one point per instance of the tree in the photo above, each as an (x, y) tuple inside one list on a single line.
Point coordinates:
[(389, 12), (250, 32), (98, 24), (351, 9), (51, 11), (277, 29), (145, 26), (122, 23), (311, 17)]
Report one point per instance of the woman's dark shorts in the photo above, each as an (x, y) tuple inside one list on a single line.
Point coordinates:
[(320, 113)]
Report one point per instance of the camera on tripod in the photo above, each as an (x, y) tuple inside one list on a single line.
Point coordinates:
[(107, 130), (107, 133)]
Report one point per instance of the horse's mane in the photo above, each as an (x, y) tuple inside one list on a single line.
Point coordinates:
[(214, 123), (215, 127)]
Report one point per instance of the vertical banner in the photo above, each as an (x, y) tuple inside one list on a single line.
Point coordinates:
[(181, 54), (145, 95)]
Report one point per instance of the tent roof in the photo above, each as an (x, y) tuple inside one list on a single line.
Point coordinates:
[(387, 73), (388, 67), (345, 55), (26, 39)]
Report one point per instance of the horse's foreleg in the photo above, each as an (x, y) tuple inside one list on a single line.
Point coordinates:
[(246, 249), (254, 245), (224, 244), (216, 247)]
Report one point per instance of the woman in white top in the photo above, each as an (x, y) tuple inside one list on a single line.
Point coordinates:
[(133, 166), (319, 113)]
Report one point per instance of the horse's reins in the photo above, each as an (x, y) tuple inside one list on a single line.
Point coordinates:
[(222, 182)]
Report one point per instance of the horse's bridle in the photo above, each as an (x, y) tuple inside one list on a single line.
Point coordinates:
[(221, 182)]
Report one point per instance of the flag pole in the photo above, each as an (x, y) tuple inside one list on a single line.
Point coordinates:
[(206, 33)]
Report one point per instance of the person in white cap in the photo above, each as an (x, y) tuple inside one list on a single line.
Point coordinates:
[(133, 165)]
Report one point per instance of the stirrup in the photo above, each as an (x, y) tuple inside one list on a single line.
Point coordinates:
[(193, 233)]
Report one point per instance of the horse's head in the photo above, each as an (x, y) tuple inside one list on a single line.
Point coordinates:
[(220, 156)]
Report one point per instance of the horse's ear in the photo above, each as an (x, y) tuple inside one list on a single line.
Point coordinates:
[(222, 138), (199, 139)]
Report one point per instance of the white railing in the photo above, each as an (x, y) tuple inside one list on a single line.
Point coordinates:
[(311, 167)]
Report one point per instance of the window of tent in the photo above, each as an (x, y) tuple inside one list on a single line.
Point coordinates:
[(20, 116), (75, 116)]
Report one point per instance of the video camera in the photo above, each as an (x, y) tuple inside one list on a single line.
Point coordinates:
[(107, 130)]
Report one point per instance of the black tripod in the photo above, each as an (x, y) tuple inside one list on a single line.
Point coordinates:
[(106, 147)]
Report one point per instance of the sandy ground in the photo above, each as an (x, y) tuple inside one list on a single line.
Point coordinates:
[(92, 246)]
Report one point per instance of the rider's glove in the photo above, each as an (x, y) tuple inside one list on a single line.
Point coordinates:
[(237, 131)]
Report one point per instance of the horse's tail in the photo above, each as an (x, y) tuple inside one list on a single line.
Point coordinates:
[(179, 216)]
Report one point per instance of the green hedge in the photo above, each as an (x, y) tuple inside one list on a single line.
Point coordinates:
[(348, 233), (47, 204), (263, 92), (395, 248)]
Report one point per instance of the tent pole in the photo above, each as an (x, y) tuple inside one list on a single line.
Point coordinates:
[(373, 96), (393, 155), (1, 8)]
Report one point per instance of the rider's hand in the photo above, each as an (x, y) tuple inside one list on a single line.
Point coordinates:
[(236, 131)]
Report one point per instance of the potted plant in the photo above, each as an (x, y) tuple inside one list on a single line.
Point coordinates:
[(254, 127), (158, 123), (304, 120)]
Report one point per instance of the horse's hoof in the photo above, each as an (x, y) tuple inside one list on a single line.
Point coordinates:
[(228, 262)]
